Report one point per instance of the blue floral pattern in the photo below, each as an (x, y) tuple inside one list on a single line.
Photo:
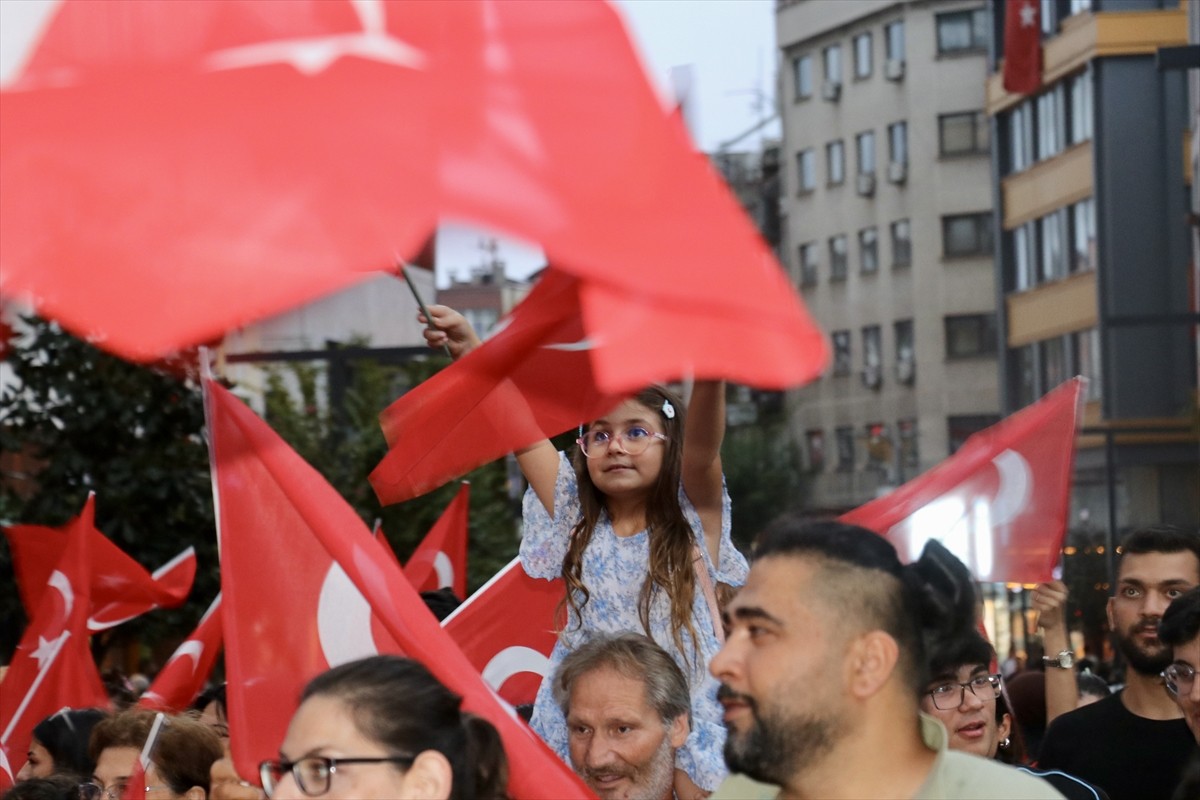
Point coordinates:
[(614, 569)]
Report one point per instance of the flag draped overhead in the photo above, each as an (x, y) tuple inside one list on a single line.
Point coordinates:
[(1000, 503), (182, 678), (329, 593), (441, 558), (52, 667), (246, 156), (121, 588)]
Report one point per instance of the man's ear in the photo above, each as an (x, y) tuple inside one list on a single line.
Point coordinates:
[(430, 777), (1005, 727), (678, 731), (870, 662)]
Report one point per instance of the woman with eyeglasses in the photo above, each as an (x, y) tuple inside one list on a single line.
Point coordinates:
[(637, 524), (384, 727), (180, 756)]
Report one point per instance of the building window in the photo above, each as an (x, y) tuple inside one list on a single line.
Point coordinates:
[(1025, 389), (901, 243), (1049, 17), (905, 351), (1024, 257), (802, 76), (1086, 348), (1054, 245), (962, 31), (1079, 89), (865, 142), (970, 335), (893, 34), (845, 448), (832, 57), (835, 162), (481, 319), (1051, 123), (910, 459), (1052, 353), (872, 356), (841, 352), (868, 249), (962, 133), (879, 448), (837, 258), (816, 450), (967, 234), (806, 170), (808, 264), (862, 56), (898, 143), (1083, 234), (960, 428), (1020, 133), (1079, 6)]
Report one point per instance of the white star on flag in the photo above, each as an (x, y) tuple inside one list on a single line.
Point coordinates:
[(48, 649), (1028, 15)]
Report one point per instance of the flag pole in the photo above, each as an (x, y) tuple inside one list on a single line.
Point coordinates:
[(402, 266)]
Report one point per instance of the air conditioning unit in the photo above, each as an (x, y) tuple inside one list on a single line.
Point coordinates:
[(866, 184), (831, 90), (872, 377), (893, 69), (906, 371), (897, 172)]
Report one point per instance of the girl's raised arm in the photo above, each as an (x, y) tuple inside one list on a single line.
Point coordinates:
[(702, 437)]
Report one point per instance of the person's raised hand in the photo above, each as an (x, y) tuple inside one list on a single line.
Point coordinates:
[(1050, 601), (450, 329)]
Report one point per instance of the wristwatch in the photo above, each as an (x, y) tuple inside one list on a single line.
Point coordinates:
[(1064, 660)]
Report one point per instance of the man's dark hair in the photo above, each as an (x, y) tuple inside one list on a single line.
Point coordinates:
[(947, 654), (865, 582), (1180, 623), (1160, 539)]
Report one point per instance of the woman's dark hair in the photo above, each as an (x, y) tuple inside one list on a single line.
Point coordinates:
[(1015, 753), (671, 537), (212, 694), (65, 736), (398, 703), (52, 787)]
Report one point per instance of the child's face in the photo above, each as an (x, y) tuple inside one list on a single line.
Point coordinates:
[(617, 473)]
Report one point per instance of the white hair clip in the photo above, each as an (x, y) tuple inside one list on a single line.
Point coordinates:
[(668, 409)]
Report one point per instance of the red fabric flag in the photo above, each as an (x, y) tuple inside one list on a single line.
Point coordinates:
[(121, 588), (1000, 503), (183, 676), (243, 157), (52, 667), (1022, 46), (441, 558), (382, 539), (511, 651), (332, 594)]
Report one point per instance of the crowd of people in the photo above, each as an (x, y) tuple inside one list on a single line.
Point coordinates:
[(822, 667)]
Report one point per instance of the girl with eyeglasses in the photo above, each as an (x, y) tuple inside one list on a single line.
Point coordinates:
[(384, 727), (637, 523)]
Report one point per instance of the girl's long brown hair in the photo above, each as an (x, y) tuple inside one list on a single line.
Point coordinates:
[(671, 538)]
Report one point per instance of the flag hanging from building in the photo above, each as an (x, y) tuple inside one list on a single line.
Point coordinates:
[(1022, 46), (441, 558), (1000, 503)]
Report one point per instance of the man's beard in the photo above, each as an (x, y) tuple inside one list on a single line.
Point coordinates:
[(1141, 661), (779, 747), (651, 782)]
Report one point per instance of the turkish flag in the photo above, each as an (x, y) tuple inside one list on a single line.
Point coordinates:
[(1022, 46), (510, 650), (121, 588), (1000, 503), (332, 594), (182, 678), (52, 667), (441, 558), (243, 157)]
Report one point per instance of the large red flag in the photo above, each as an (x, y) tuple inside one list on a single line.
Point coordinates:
[(52, 667), (183, 676), (441, 558), (510, 650), (330, 589), (1022, 46), (242, 157), (121, 588), (1000, 503)]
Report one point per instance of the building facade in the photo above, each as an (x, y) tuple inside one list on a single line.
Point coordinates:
[(888, 232), (1094, 259)]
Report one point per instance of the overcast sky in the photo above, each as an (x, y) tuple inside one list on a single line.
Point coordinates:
[(728, 45)]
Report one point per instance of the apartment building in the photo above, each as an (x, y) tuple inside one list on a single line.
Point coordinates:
[(888, 231), (1094, 259)]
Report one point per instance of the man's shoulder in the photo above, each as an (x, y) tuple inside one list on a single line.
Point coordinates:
[(739, 787), (1105, 712), (969, 777)]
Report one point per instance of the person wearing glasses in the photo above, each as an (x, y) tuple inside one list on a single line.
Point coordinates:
[(637, 523), (1179, 630), (384, 727), (1135, 743), (180, 756)]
